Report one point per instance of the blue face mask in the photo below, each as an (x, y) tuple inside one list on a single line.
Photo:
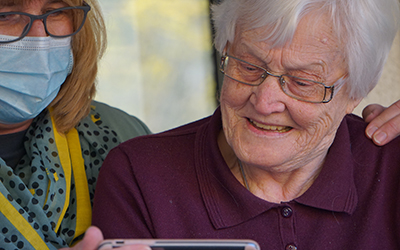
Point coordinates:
[(32, 71)]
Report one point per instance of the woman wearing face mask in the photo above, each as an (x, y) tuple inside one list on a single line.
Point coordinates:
[(53, 137)]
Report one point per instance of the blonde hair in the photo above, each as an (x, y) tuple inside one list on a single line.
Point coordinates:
[(73, 100)]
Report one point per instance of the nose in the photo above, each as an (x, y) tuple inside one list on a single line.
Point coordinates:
[(268, 97), (37, 29)]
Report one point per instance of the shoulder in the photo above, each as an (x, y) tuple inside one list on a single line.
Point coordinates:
[(366, 153), (127, 126), (174, 147), (170, 155), (175, 138), (182, 138), (356, 129), (355, 124)]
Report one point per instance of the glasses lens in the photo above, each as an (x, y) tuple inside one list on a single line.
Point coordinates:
[(13, 25), (244, 72), (65, 22), (302, 89), (59, 23)]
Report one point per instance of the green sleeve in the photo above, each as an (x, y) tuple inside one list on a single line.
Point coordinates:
[(126, 126)]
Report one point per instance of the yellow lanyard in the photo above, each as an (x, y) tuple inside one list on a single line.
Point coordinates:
[(70, 153), (22, 225)]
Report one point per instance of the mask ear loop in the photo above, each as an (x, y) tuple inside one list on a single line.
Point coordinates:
[(71, 62)]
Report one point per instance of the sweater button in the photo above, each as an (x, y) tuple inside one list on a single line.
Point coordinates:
[(291, 247), (287, 212)]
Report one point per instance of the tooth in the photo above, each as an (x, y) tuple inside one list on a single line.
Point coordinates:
[(272, 128)]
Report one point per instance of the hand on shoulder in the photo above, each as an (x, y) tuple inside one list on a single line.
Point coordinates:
[(384, 123)]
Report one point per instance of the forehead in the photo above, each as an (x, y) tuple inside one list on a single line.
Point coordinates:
[(314, 44), (314, 32), (9, 3), (13, 2)]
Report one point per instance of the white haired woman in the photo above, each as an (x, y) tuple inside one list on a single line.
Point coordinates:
[(281, 161)]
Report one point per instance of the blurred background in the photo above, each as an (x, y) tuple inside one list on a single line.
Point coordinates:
[(161, 67)]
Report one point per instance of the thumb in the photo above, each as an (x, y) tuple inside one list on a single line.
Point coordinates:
[(91, 241)]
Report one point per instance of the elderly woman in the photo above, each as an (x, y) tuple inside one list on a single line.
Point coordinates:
[(54, 138), (281, 161)]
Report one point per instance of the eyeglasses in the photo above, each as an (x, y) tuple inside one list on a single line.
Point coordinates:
[(62, 22), (293, 86)]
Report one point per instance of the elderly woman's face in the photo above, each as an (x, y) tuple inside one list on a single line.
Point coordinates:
[(263, 125)]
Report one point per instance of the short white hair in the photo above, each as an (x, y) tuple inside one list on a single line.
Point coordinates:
[(368, 28)]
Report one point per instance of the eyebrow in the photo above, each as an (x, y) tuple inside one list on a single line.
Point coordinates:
[(8, 3)]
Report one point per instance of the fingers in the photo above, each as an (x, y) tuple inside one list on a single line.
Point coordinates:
[(135, 247), (372, 111), (91, 241), (384, 123), (93, 238)]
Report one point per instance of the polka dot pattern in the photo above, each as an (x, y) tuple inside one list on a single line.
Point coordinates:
[(36, 188)]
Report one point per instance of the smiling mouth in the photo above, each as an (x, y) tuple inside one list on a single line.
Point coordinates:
[(279, 129)]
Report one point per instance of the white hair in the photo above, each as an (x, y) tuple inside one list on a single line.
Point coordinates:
[(367, 28)]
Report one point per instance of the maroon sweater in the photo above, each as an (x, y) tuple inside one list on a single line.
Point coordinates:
[(177, 185)]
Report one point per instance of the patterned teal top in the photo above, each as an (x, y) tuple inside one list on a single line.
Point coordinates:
[(46, 200)]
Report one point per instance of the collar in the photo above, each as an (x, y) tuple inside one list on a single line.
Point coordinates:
[(335, 189), (228, 203)]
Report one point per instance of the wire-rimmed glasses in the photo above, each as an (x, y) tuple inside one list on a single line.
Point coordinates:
[(296, 87), (59, 23)]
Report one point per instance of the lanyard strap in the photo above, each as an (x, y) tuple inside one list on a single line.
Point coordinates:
[(22, 225), (84, 207), (65, 160), (70, 153)]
